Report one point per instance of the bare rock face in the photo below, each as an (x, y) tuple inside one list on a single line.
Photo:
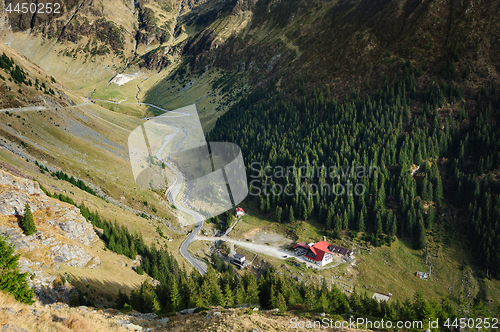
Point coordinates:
[(75, 226), (24, 185), (71, 255), (63, 235), (13, 202), (15, 192)]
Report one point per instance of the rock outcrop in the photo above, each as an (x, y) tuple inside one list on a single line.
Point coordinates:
[(15, 192), (63, 235)]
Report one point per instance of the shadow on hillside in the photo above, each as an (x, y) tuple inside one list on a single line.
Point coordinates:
[(85, 291)]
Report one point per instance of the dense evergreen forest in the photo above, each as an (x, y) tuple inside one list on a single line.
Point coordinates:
[(412, 136)]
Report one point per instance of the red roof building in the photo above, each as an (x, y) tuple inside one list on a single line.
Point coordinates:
[(240, 212), (300, 245), (320, 253)]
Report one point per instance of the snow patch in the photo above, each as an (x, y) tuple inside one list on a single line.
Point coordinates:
[(121, 79)]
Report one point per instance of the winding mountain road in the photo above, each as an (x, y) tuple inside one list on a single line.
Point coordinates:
[(171, 195), (171, 192)]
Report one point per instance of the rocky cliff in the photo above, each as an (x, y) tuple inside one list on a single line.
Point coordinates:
[(63, 235)]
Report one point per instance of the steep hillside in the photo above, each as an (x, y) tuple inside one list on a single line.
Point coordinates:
[(348, 44), (22, 83), (84, 33), (351, 43), (65, 252), (90, 41)]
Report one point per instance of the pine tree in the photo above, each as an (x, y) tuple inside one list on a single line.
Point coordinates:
[(310, 299), (304, 211), (430, 191), (149, 298), (84, 211), (273, 299), (278, 214), (281, 303), (291, 217), (217, 298), (419, 240), (355, 302), (262, 205), (228, 296), (11, 280), (438, 191), (203, 299), (425, 190), (421, 307), (175, 297), (361, 222), (323, 302), (268, 204), (27, 222), (111, 243), (252, 290), (239, 295), (394, 225), (121, 300), (378, 223), (429, 218)]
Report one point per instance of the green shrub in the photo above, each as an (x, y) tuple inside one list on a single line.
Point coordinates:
[(127, 308)]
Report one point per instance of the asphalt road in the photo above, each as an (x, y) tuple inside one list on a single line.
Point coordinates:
[(171, 194)]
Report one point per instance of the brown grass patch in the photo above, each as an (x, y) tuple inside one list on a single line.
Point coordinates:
[(44, 318)]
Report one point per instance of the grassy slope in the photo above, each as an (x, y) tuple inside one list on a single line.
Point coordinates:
[(13, 94), (44, 320), (81, 70), (90, 143), (171, 92)]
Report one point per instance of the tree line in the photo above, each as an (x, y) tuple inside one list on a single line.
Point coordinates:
[(63, 176)]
